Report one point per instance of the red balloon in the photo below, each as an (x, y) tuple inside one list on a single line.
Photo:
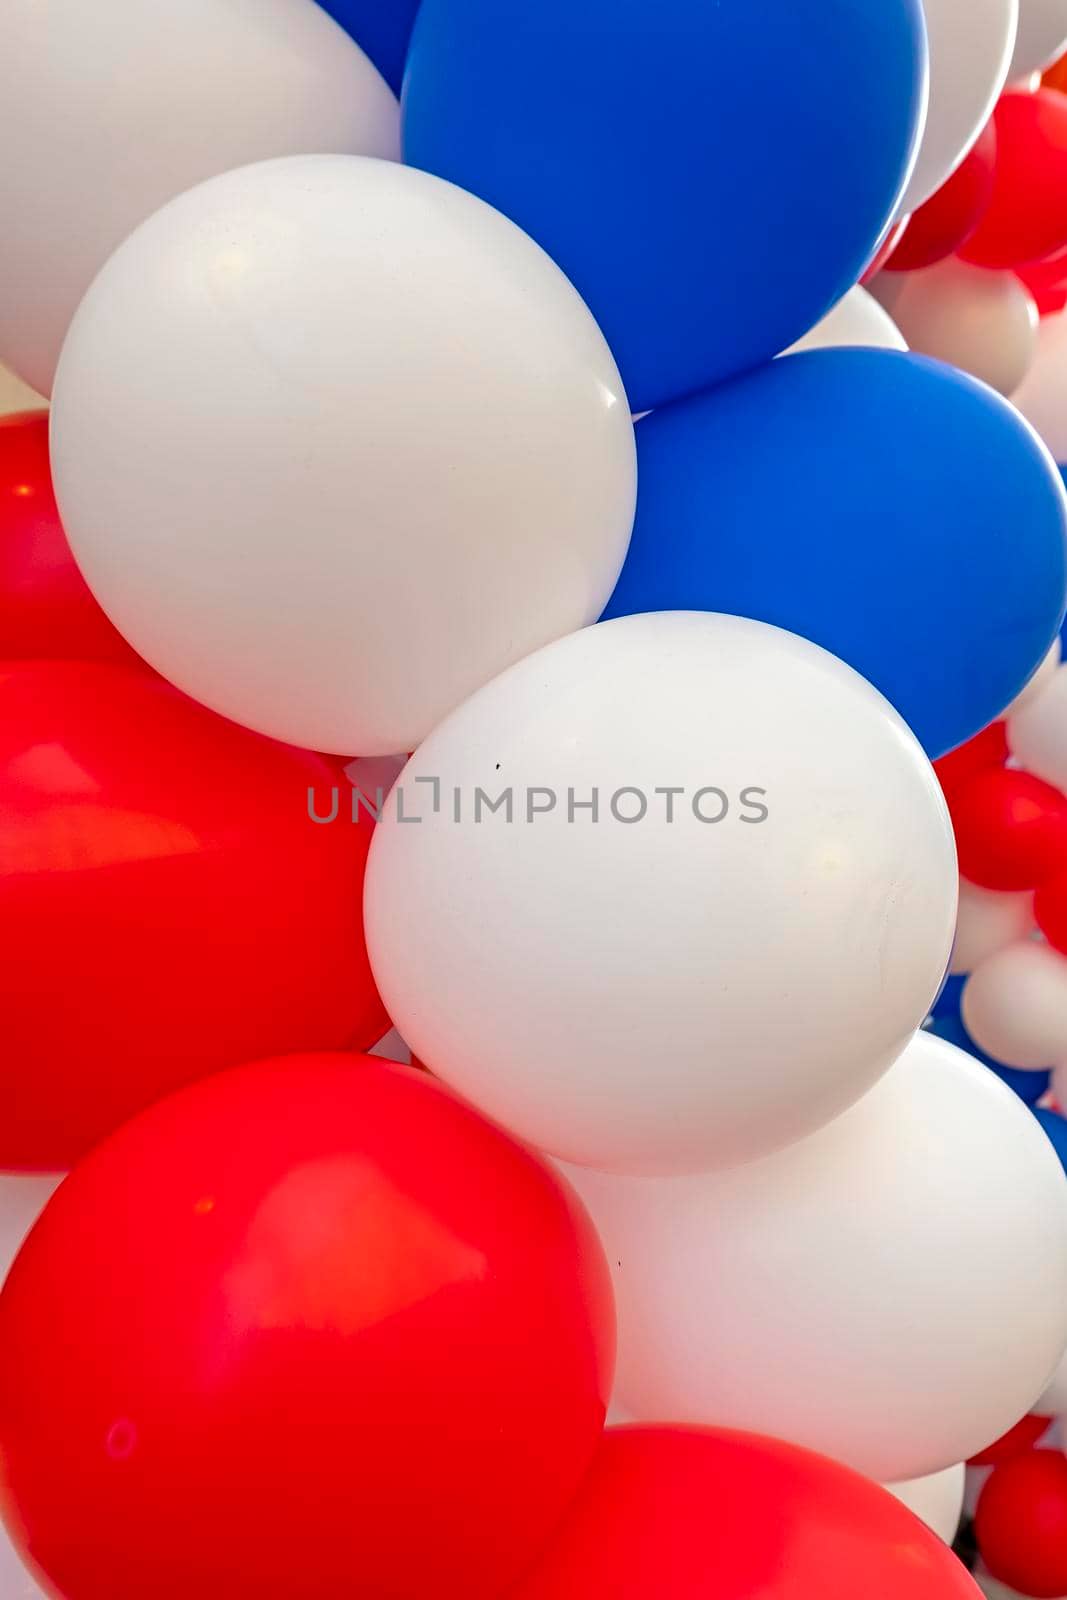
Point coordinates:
[(1026, 218), (46, 608), (167, 907), (1011, 829), (1016, 1442), (312, 1328), (938, 228), (987, 749), (888, 245), (1021, 1523), (703, 1514), (1047, 282)]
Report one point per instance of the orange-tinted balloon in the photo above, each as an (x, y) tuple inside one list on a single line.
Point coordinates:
[(1026, 218)]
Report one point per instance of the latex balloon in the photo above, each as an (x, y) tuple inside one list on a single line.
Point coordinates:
[(987, 921), (1053, 1401), (936, 1499), (897, 1364), (949, 217), (1028, 1085), (628, 144), (1011, 829), (1050, 911), (115, 108), (306, 428), (168, 908), (1015, 1005), (984, 322), (1042, 398), (1026, 217), (380, 27), (322, 1325), (969, 59), (687, 1513), (1040, 681), (779, 496), (1037, 731), (987, 749), (1016, 1441), (16, 395), (886, 249), (46, 608), (858, 319), (1042, 35), (1021, 1523), (638, 798), (1055, 1126)]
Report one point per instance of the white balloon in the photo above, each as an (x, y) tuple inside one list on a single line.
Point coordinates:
[(16, 395), (672, 991), (1042, 396), (1053, 1399), (338, 392), (984, 322), (857, 319), (937, 1499), (1040, 681), (1042, 36), (977, 1478), (1037, 730), (971, 48), (891, 1291), (1014, 1006), (988, 919)]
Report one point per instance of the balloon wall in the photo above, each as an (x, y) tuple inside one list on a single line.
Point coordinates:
[(533, 800)]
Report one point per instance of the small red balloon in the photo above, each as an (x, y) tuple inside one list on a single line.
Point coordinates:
[(167, 907), (987, 749), (1016, 1442), (1020, 1523), (885, 250), (46, 608), (947, 220), (312, 1328), (1026, 218), (1011, 829), (703, 1514), (1047, 282)]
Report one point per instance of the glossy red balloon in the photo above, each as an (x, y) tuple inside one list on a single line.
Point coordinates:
[(702, 1514), (46, 608), (886, 249), (1016, 1442), (1020, 1524), (1011, 829), (938, 228), (167, 907), (1026, 218), (987, 749), (310, 1330), (1047, 282)]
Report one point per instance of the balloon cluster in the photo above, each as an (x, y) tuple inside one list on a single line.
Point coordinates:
[(490, 571)]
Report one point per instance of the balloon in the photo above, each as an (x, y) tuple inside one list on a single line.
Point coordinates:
[(936, 1499), (16, 395), (1047, 282), (987, 921), (558, 960), (1055, 1127), (886, 249), (1011, 829), (374, 399), (1042, 35), (1042, 397), (1040, 681), (380, 27), (1054, 1399), (757, 1296), (1021, 1523), (968, 69), (1015, 1005), (668, 158), (1026, 218), (858, 319), (46, 608), (987, 749), (322, 1326), (1037, 731), (984, 322), (1050, 911), (938, 228), (115, 108), (1027, 1085), (685, 1514), (805, 494), (1015, 1442), (168, 907)]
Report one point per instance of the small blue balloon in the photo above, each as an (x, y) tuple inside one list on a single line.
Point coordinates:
[(885, 506), (1056, 1128), (712, 175), (947, 1003), (1029, 1086), (381, 28)]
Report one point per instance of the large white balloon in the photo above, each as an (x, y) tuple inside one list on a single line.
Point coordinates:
[(111, 108), (988, 920), (1042, 36), (971, 48), (891, 1291), (334, 442), (984, 322), (725, 954), (1042, 396), (1037, 728), (937, 1499), (857, 319), (1014, 1006)]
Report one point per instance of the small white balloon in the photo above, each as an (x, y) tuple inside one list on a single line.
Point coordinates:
[(16, 395), (983, 322), (1042, 395), (723, 954), (971, 50), (987, 920), (115, 107), (857, 319), (937, 1499), (1042, 36), (1014, 1006), (1040, 681), (338, 392), (1037, 730), (891, 1291)]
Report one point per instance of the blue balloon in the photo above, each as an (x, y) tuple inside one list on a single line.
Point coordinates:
[(1029, 1086), (1056, 1128), (712, 175), (885, 506), (947, 1003), (381, 28)]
